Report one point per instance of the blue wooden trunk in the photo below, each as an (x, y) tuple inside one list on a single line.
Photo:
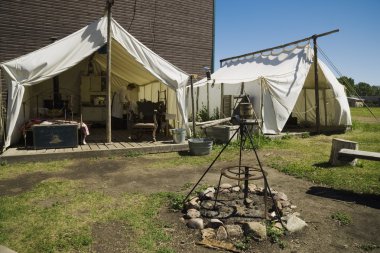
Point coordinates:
[(55, 136)]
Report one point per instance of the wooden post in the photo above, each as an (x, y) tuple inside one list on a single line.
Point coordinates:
[(208, 99), (109, 51), (305, 94), (261, 104), (192, 104), (325, 105), (317, 117), (222, 112), (197, 104)]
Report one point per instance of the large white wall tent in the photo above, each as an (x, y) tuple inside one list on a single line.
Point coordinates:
[(280, 84), (132, 62)]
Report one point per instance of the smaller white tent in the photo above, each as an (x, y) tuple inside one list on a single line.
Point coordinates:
[(280, 83), (132, 62)]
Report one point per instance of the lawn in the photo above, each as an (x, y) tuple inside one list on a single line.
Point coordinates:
[(307, 158), (60, 213)]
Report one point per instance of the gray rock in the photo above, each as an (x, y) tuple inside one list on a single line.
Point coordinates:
[(215, 223), (248, 200), (221, 234), (281, 196), (192, 204), (295, 224), (293, 206), (4, 249), (207, 194), (254, 213), (296, 214), (225, 212), (259, 190), (210, 189), (252, 187), (196, 223), (255, 230), (239, 210), (182, 220), (192, 213), (273, 191), (225, 186), (278, 204), (209, 213), (234, 231), (235, 189), (285, 203), (208, 233), (286, 211), (208, 204)]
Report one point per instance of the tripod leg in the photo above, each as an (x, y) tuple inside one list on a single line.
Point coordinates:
[(216, 158), (217, 191), (267, 188)]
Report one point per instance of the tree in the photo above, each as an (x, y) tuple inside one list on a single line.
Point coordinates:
[(349, 83), (364, 89)]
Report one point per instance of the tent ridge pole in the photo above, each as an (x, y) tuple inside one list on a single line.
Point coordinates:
[(281, 46)]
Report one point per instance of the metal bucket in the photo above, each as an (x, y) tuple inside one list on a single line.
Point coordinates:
[(246, 111), (179, 135), (200, 146)]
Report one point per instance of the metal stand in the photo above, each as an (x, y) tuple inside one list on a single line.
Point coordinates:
[(243, 173)]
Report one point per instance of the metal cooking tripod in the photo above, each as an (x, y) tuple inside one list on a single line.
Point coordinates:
[(245, 134)]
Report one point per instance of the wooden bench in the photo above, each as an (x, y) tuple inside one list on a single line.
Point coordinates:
[(344, 152), (351, 153)]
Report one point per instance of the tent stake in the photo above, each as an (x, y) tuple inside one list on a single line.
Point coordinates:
[(109, 16)]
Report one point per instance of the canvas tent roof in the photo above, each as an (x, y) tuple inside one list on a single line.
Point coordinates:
[(131, 61), (281, 74)]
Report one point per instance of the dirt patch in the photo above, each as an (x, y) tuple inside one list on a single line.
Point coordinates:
[(111, 237), (22, 183), (316, 203)]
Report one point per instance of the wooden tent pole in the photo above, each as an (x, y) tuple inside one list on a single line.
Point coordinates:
[(192, 104), (108, 123), (316, 82)]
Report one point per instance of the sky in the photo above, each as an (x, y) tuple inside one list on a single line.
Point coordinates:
[(243, 26)]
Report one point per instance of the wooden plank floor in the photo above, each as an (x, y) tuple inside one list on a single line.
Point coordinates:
[(95, 147)]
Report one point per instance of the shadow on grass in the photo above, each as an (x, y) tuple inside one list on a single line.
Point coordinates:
[(370, 200), (184, 153), (325, 165)]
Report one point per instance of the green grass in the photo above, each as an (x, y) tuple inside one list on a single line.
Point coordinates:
[(16, 169), (58, 215), (342, 218), (308, 157)]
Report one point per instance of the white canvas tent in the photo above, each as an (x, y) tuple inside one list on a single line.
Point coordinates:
[(280, 83), (132, 62)]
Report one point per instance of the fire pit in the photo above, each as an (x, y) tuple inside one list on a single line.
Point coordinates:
[(235, 216), (228, 214)]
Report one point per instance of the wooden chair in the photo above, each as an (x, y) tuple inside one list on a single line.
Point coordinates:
[(141, 128)]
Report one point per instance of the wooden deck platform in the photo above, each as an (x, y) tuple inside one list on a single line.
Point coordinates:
[(21, 154), (95, 147)]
